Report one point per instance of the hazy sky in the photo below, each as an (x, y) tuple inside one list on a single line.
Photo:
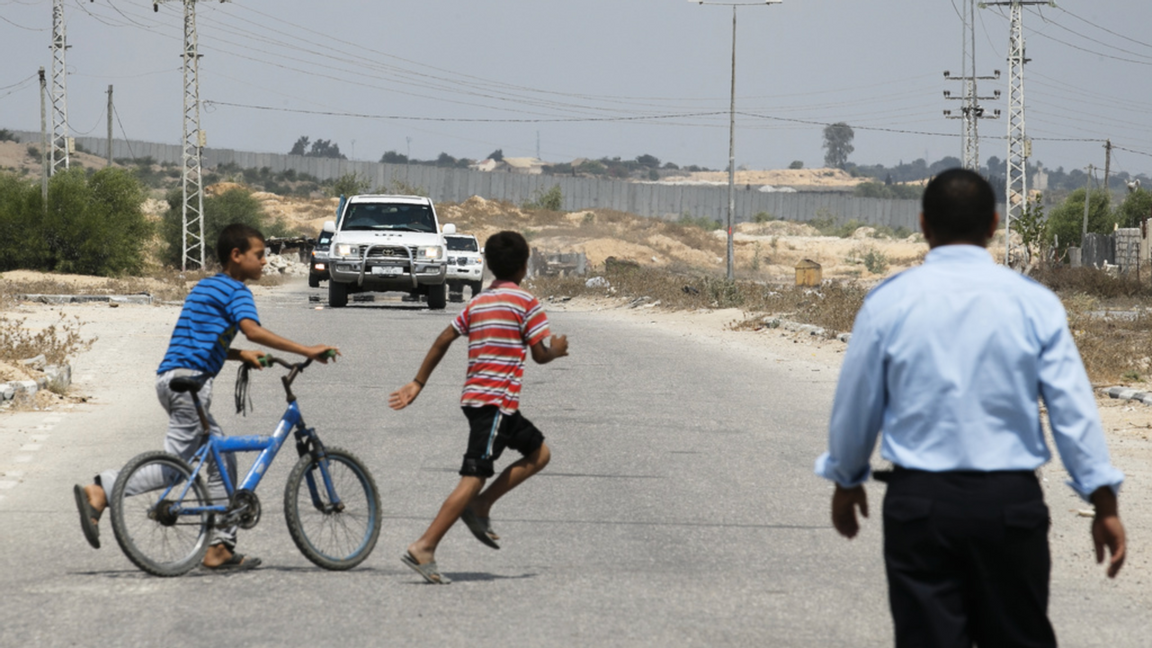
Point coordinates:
[(591, 78)]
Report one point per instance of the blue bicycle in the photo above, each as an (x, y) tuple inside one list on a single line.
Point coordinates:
[(163, 517)]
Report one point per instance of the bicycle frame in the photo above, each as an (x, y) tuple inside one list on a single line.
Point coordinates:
[(307, 442)]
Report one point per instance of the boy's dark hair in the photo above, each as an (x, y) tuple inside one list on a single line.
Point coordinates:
[(236, 236), (506, 253), (959, 205)]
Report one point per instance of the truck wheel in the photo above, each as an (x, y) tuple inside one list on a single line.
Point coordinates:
[(476, 287), (313, 281), (437, 299), (337, 294)]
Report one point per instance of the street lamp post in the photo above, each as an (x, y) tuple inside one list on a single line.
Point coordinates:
[(732, 129)]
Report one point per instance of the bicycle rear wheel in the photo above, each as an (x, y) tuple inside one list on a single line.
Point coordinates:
[(145, 505), (333, 537)]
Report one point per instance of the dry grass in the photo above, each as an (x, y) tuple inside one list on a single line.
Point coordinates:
[(832, 306), (58, 341)]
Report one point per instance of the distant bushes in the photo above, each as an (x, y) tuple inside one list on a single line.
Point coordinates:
[(92, 224), (233, 206)]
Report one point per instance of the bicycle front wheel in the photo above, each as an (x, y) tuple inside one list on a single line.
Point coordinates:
[(147, 503), (333, 536)]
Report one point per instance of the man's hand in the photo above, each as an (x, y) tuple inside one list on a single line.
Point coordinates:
[(404, 396), (251, 358), (1107, 530), (844, 503)]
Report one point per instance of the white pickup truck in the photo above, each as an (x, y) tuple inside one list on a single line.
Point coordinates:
[(387, 243)]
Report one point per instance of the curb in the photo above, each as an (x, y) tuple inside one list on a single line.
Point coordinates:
[(1126, 393), (144, 299), (59, 376)]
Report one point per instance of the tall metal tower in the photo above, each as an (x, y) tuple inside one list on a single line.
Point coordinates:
[(58, 156), (192, 209), (1019, 146), (971, 112)]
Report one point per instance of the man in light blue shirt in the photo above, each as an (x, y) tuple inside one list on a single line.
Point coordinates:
[(950, 360)]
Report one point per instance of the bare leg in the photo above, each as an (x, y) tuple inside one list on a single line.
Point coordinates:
[(424, 549), (513, 476), (96, 497)]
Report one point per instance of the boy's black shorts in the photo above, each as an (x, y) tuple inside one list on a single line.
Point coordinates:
[(490, 432)]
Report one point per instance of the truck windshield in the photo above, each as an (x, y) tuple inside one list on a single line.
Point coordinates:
[(462, 244), (389, 216)]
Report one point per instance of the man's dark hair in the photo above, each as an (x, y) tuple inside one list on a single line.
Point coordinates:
[(506, 253), (236, 236), (959, 205)]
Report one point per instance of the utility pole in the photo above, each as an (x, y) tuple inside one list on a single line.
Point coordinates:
[(1019, 146), (1107, 162), (971, 112), (192, 210), (58, 157), (109, 125), (43, 138), (732, 131), (1087, 196)]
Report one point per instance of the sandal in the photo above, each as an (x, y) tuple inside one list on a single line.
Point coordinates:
[(237, 563), (480, 527), (89, 516), (428, 570)]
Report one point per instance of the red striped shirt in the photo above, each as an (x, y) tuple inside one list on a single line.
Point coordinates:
[(501, 323)]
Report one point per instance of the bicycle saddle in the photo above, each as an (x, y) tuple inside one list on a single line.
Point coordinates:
[(188, 383)]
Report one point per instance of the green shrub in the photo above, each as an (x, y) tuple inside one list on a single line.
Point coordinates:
[(550, 200), (233, 206), (92, 225), (703, 222), (349, 184)]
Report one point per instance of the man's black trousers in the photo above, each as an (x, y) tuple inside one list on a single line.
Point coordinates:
[(967, 559)]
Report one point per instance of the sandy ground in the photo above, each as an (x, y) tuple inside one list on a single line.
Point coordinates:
[(810, 179)]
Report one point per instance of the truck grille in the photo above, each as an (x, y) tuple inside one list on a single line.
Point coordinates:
[(385, 252)]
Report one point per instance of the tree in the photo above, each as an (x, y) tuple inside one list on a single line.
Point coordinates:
[(796, 164), (1136, 207), (300, 147), (232, 206), (392, 157), (325, 149), (838, 142), (1066, 221), (497, 155), (445, 160), (650, 161)]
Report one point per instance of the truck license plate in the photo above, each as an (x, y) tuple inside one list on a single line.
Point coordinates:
[(387, 270)]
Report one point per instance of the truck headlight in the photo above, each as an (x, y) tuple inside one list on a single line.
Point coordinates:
[(345, 250), (429, 253)]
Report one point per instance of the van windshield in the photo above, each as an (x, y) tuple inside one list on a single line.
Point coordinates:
[(389, 216)]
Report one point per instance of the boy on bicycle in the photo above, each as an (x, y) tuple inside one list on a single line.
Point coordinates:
[(500, 323), (215, 310)]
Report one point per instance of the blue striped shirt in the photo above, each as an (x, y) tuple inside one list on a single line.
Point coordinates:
[(208, 323), (950, 360)]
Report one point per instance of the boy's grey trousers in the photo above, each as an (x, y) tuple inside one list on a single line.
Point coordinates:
[(184, 438)]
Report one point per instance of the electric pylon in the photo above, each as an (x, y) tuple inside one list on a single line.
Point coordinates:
[(58, 156), (971, 112), (1019, 146), (192, 209)]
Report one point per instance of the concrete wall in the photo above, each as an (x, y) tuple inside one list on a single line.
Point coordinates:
[(457, 185)]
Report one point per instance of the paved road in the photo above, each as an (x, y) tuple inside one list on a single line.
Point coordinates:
[(679, 508)]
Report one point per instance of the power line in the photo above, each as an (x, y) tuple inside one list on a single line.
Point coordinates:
[(210, 102)]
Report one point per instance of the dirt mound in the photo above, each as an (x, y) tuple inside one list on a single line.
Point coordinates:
[(823, 178)]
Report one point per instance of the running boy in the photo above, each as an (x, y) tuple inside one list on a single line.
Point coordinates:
[(217, 308), (500, 323)]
